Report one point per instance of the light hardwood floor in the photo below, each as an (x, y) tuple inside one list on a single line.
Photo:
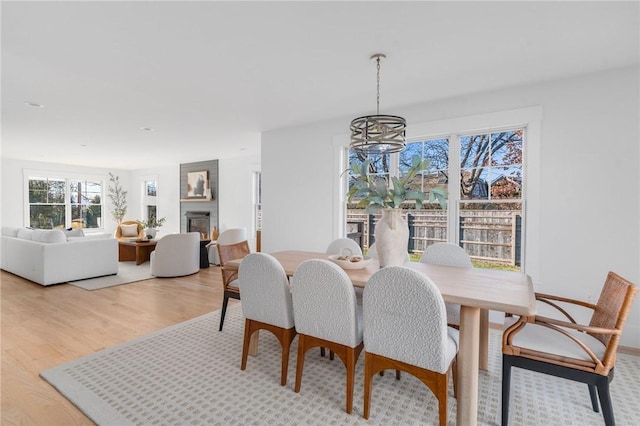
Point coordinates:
[(42, 327)]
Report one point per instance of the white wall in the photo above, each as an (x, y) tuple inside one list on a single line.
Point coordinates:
[(168, 205), (588, 186), (235, 192)]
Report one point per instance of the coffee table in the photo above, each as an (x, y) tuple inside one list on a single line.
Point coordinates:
[(140, 251)]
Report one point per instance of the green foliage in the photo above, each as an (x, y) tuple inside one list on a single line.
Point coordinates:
[(375, 194), (118, 197), (152, 222)]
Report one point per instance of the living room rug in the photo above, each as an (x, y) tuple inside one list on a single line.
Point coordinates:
[(190, 373), (128, 272)]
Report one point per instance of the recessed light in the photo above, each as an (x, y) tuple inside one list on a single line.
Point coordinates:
[(147, 129), (83, 144), (33, 104)]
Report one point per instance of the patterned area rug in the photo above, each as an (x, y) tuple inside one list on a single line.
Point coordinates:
[(189, 374), (128, 272)]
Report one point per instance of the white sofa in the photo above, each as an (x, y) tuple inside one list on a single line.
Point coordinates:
[(51, 256)]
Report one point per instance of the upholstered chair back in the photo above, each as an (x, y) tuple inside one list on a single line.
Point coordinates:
[(339, 245), (446, 254), (265, 291), (324, 303), (405, 319)]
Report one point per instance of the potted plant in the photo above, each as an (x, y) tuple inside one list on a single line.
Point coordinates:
[(118, 197), (151, 226), (375, 194)]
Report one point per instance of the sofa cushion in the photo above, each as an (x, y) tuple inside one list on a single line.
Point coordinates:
[(73, 233), (129, 230), (10, 231), (25, 233), (49, 236)]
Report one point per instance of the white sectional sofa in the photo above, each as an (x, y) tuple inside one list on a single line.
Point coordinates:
[(52, 256)]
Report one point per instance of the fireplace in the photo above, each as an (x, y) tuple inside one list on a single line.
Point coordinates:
[(199, 222)]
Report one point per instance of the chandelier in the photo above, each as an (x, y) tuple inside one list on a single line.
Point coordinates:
[(378, 134)]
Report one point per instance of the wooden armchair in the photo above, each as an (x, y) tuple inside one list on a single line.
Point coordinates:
[(118, 234), (227, 252), (563, 348)]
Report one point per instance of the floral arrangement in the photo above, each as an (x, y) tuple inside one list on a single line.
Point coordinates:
[(376, 194)]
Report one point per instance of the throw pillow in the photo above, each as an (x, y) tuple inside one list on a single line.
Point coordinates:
[(49, 236), (129, 230), (10, 231), (25, 233)]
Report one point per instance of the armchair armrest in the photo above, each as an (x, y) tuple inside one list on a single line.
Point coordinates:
[(549, 298)]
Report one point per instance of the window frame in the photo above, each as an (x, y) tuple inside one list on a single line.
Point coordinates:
[(29, 174)]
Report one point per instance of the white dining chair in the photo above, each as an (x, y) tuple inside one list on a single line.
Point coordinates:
[(327, 315), (448, 254), (229, 236), (344, 246), (266, 304), (405, 328)]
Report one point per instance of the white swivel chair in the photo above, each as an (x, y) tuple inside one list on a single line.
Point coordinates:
[(176, 255), (448, 254), (342, 245), (266, 304), (405, 328), (327, 315), (229, 236)]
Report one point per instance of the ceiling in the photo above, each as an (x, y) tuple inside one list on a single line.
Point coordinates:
[(209, 77)]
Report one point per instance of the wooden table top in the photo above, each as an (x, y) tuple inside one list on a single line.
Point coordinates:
[(138, 243), (504, 291)]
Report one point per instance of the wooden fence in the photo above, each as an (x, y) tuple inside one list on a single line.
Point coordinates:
[(487, 235)]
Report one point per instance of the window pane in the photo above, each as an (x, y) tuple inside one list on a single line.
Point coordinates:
[(85, 198), (43, 190), (492, 233), (474, 151), (46, 216), (474, 184), (506, 182), (506, 148)]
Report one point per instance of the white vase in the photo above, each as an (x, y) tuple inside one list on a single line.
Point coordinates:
[(392, 238), (150, 232)]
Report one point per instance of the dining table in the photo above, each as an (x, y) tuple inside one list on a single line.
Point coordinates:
[(474, 289)]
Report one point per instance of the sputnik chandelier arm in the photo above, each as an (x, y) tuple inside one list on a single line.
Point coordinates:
[(378, 134)]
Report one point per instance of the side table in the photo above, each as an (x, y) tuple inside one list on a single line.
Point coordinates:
[(204, 254)]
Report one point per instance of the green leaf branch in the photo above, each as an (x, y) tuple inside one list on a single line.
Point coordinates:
[(375, 194)]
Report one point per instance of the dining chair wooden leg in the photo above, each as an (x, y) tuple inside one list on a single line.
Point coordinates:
[(352, 355), (368, 374), (245, 343), (286, 338), (302, 341)]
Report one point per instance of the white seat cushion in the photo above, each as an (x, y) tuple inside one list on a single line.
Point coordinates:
[(543, 339)]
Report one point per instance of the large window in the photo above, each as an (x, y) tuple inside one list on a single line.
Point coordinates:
[(56, 202), (484, 183)]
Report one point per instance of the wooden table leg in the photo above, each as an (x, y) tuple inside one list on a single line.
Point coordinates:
[(253, 343), (467, 413), (484, 339)]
